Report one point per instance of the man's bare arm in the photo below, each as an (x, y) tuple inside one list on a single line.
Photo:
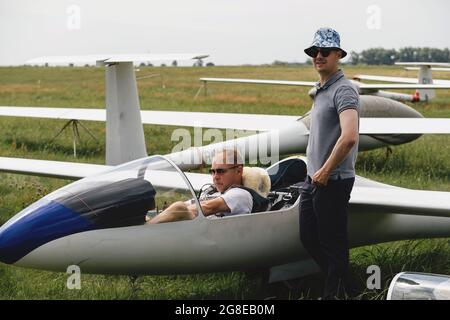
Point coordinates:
[(175, 212), (349, 136), (212, 206)]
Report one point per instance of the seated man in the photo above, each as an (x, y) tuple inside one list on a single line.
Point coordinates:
[(232, 198)]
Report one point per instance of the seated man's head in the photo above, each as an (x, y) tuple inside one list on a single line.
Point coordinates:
[(226, 169)]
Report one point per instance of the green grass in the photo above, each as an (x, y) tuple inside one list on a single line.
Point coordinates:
[(421, 164)]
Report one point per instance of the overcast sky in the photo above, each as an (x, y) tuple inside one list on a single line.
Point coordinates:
[(231, 31)]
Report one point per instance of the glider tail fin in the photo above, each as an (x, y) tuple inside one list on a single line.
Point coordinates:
[(124, 131), (425, 77)]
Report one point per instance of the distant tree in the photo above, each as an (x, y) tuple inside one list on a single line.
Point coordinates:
[(381, 56), (426, 54), (354, 58), (407, 54), (142, 64), (378, 56), (210, 64), (445, 55), (149, 65), (163, 65), (279, 63), (174, 63)]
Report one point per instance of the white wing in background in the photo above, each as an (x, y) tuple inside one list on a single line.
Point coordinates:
[(401, 200), (428, 64), (256, 122), (53, 169), (75, 171), (173, 118), (415, 85), (401, 86), (111, 58), (55, 113), (258, 81), (434, 69), (397, 79), (235, 120), (404, 126)]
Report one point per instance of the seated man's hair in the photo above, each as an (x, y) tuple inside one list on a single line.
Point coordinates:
[(231, 156)]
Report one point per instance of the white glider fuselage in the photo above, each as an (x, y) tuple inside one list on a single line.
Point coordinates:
[(243, 242), (378, 213)]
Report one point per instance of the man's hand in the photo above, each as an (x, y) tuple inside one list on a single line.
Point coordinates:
[(321, 177)]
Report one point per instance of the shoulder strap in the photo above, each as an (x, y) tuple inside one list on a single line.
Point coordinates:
[(259, 202)]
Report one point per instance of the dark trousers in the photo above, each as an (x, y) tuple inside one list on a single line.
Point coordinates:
[(323, 230)]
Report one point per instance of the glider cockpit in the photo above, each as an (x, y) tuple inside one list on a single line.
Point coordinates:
[(124, 195), (119, 197), (286, 178)]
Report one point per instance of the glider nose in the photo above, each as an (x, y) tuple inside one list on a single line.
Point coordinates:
[(87, 207), (38, 224), (12, 238)]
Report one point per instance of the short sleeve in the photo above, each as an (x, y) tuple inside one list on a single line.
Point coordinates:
[(345, 98), (238, 200)]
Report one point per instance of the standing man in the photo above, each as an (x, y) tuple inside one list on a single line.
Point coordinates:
[(331, 153)]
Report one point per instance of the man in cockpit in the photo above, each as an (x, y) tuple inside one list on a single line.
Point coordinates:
[(231, 197)]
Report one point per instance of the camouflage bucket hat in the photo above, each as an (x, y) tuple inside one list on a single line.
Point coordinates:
[(325, 38)]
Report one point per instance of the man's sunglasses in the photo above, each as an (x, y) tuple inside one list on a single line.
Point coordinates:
[(222, 170), (325, 52)]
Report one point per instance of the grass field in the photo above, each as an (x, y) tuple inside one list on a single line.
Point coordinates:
[(422, 164)]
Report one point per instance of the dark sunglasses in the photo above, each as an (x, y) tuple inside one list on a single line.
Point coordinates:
[(222, 170), (325, 52)]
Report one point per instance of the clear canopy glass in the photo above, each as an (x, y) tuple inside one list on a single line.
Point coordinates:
[(123, 195)]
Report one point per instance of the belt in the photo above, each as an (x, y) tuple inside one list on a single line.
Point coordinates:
[(335, 178)]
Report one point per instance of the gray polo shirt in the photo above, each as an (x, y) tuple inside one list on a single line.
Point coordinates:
[(336, 95)]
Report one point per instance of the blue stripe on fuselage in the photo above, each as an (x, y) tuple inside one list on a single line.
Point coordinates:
[(46, 223)]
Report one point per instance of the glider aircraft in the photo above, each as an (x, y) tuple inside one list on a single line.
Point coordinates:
[(424, 85), (424, 77)]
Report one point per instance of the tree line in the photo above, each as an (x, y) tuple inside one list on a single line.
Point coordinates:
[(377, 56)]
